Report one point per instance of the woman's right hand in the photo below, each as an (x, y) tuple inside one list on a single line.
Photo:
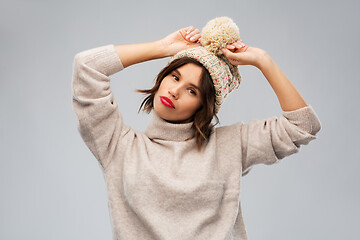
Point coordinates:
[(182, 39), (240, 54)]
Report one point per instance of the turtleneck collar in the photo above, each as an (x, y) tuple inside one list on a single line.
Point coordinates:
[(158, 128)]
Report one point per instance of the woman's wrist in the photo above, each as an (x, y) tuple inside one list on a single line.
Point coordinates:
[(161, 49), (262, 60)]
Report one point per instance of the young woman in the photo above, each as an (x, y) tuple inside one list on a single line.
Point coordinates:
[(180, 178)]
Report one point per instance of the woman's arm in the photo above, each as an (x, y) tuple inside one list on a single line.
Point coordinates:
[(136, 53), (239, 54), (289, 98), (269, 140), (100, 122)]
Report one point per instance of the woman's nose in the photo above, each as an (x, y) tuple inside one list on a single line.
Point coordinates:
[(174, 92)]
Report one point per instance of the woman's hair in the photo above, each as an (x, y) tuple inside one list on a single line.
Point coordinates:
[(203, 116)]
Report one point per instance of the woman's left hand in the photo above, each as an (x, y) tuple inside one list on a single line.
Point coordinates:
[(182, 39)]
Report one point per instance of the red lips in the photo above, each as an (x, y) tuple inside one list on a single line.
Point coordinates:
[(167, 101)]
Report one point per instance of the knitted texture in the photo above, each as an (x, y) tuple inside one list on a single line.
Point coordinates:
[(216, 34)]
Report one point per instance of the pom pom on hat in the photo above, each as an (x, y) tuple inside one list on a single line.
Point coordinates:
[(216, 34)]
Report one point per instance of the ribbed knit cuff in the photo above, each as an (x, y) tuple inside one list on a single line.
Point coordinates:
[(103, 59), (305, 118)]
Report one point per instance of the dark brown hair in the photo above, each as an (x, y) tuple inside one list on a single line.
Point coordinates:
[(203, 116)]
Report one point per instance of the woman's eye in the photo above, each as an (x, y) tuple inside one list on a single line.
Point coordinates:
[(192, 92), (176, 78)]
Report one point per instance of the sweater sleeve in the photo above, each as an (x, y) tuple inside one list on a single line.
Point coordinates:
[(99, 121), (269, 140)]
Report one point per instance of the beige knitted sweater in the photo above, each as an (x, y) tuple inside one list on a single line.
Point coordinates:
[(159, 186)]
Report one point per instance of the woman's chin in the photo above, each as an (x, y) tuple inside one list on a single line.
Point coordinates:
[(171, 119)]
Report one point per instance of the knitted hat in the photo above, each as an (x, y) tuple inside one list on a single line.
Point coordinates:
[(216, 34)]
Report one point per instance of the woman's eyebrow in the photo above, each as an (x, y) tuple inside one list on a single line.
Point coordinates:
[(178, 72), (195, 86)]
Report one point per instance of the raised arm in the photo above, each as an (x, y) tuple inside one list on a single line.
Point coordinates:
[(140, 52), (269, 140), (288, 96), (168, 46), (100, 123)]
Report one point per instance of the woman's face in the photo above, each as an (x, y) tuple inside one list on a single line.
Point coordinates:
[(182, 88)]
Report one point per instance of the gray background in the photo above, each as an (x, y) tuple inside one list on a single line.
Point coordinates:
[(52, 186)]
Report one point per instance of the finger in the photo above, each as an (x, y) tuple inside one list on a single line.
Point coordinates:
[(189, 29), (232, 57), (183, 32), (192, 33), (227, 52), (195, 37), (240, 44), (240, 41), (234, 45), (240, 48), (231, 48), (184, 29)]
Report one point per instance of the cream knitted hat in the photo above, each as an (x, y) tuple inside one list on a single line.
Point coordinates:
[(216, 34)]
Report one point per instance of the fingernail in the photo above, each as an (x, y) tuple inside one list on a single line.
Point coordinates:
[(192, 38)]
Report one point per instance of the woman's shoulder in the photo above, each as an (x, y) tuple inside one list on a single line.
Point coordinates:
[(228, 130), (228, 127)]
